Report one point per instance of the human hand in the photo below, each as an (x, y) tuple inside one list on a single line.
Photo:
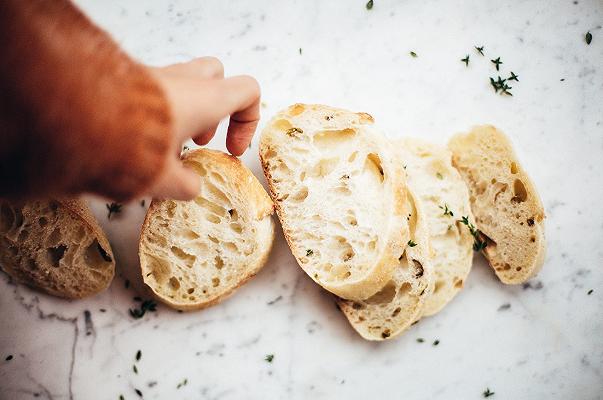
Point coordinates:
[(199, 98)]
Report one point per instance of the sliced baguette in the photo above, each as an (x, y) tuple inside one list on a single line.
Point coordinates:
[(195, 253), (506, 205), (55, 246), (339, 195), (442, 192), (400, 302)]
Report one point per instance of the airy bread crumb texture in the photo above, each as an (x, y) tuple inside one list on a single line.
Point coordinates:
[(506, 205), (56, 246), (338, 194), (445, 200), (194, 253), (400, 302)]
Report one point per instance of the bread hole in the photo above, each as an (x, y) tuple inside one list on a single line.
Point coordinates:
[(513, 168), (213, 239), (211, 206), (361, 318), (216, 193), (493, 181), (404, 289), (533, 239), (351, 220), (418, 269), (506, 267), (269, 154), (396, 311), (348, 255), (170, 209), (218, 177), (215, 282), (384, 296), (198, 168), (218, 262), (352, 156), (499, 188), (386, 333), (213, 218), (174, 283), (190, 290), (339, 272), (7, 217), (282, 125), (42, 221), (521, 193), (342, 190), (23, 235), (324, 167), (189, 234), (95, 255), (300, 195), (373, 164), (518, 269), (159, 269), (231, 247), (438, 285), (372, 245), (357, 306), (103, 253), (480, 188), (458, 283), (326, 140), (189, 260), (236, 227), (55, 254), (530, 221)]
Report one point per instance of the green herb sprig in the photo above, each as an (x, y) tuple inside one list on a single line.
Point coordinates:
[(497, 63), (145, 305), (478, 244), (113, 208), (447, 211), (488, 393), (480, 50)]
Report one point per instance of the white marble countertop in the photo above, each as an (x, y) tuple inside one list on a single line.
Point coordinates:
[(547, 345)]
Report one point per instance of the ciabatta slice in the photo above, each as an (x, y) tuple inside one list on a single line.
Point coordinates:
[(56, 246), (445, 200), (401, 301), (506, 205), (339, 195), (195, 253)]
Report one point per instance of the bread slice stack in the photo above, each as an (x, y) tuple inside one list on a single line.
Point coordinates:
[(340, 190), (55, 246), (195, 253)]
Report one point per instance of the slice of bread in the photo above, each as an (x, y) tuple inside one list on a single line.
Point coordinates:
[(339, 195), (506, 205), (445, 200), (195, 253), (400, 302), (55, 246)]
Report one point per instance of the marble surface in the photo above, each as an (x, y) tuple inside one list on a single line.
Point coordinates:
[(546, 344)]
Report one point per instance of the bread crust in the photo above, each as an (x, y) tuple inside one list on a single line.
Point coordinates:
[(384, 267), (258, 199)]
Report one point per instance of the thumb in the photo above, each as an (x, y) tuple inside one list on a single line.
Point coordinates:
[(177, 182)]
